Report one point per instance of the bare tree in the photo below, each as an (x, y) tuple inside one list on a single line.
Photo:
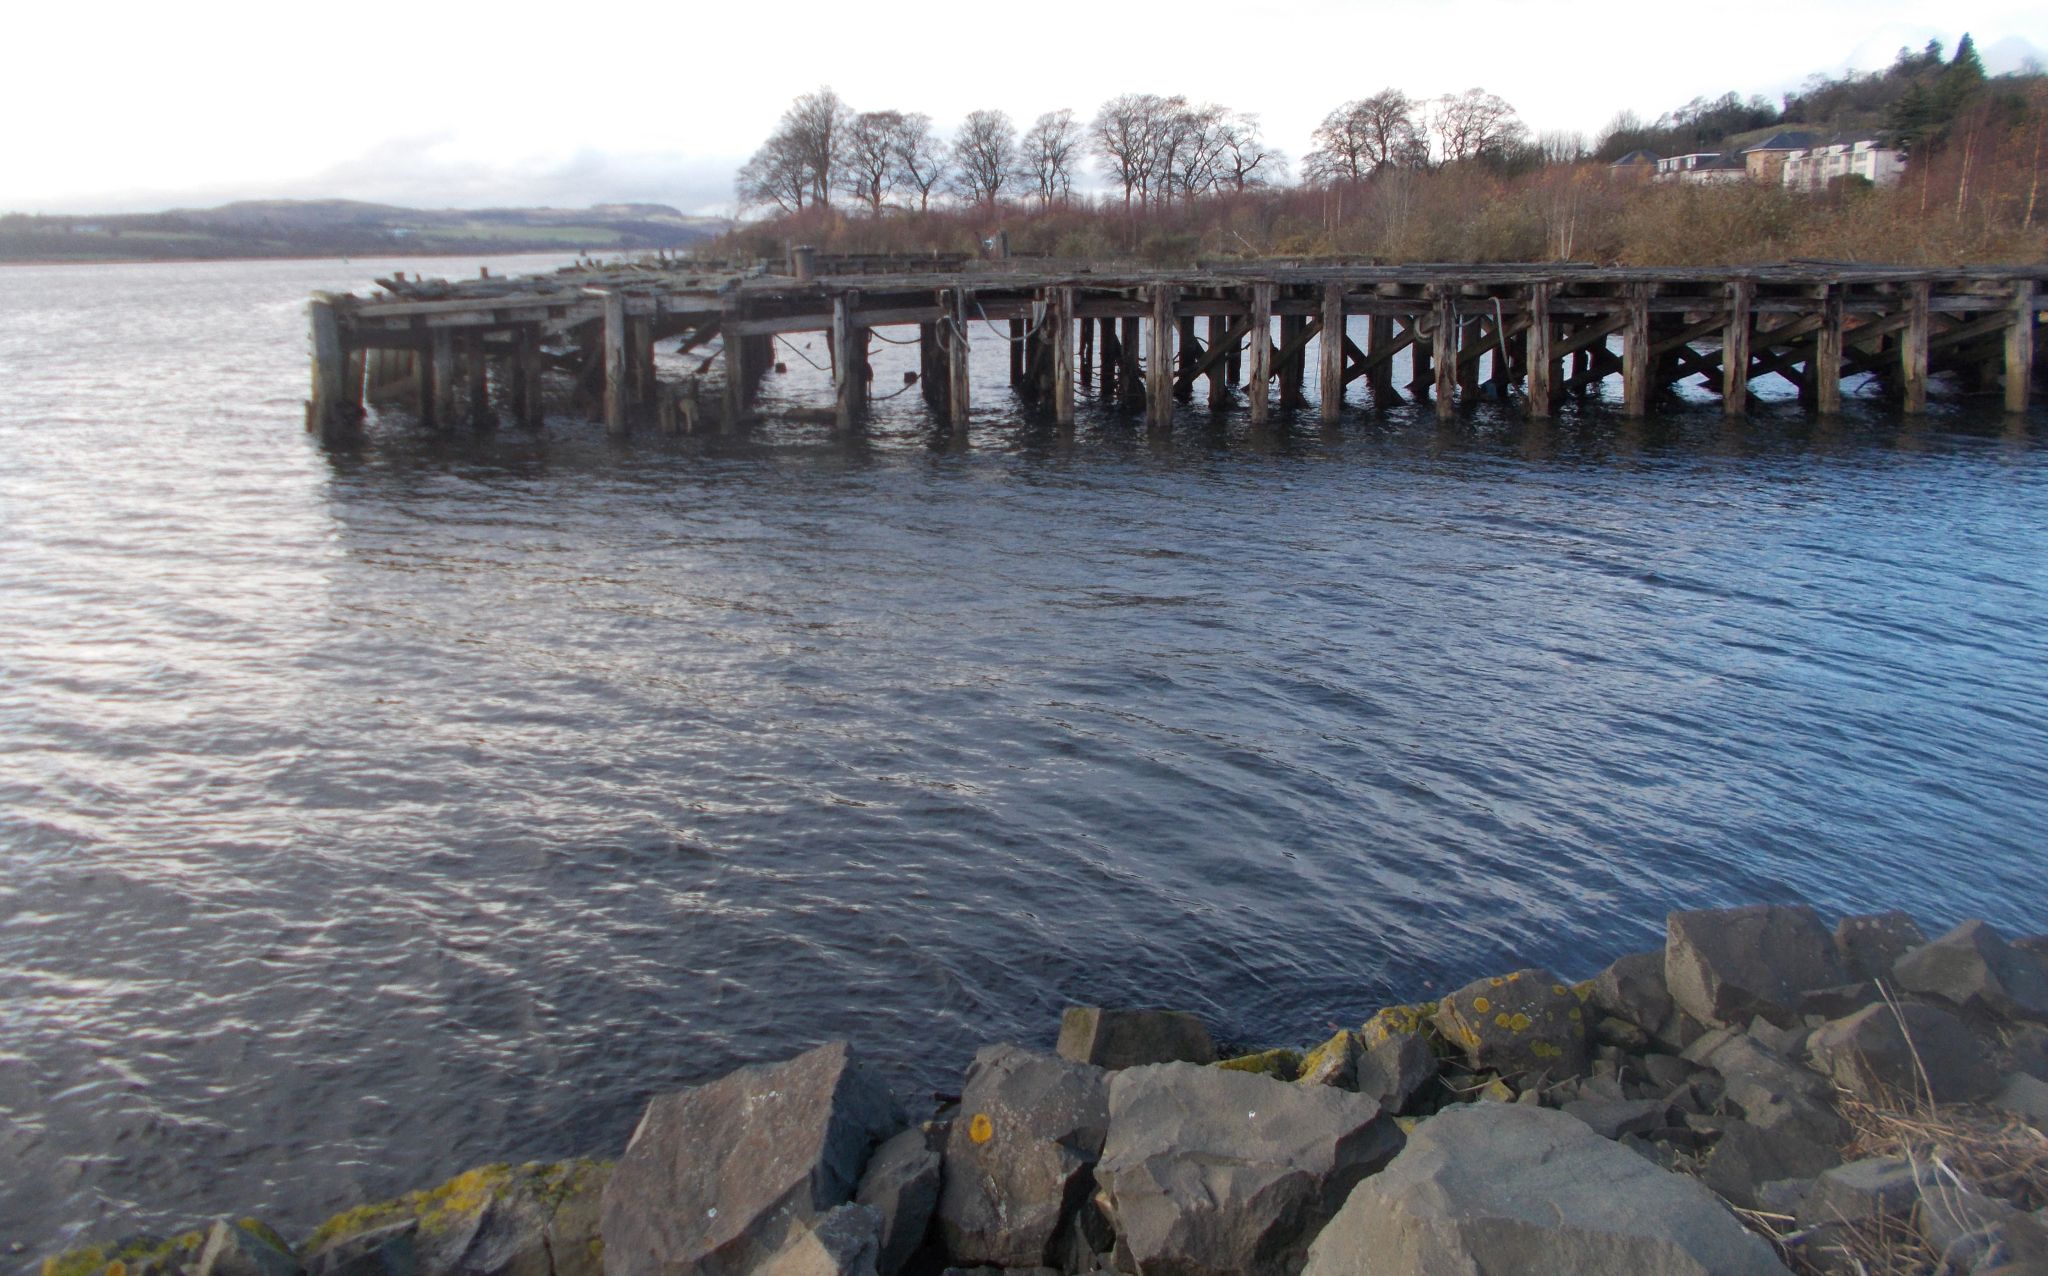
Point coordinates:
[(1196, 149), (984, 156), (1562, 146), (1124, 133), (1362, 136), (1474, 125), (1244, 161), (776, 174), (868, 169), (1049, 151), (920, 158), (815, 125)]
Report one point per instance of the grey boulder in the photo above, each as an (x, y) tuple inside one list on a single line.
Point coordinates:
[(1395, 1071), (1506, 1190), (843, 1242), (245, 1248), (1632, 989), (901, 1184), (1128, 1038), (1209, 1172), (1724, 966), (1747, 1157), (1875, 1187), (1018, 1156), (1974, 968), (1769, 1090), (722, 1176), (1869, 943), (1888, 1055)]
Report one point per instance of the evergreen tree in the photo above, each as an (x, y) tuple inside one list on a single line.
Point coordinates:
[(1964, 75)]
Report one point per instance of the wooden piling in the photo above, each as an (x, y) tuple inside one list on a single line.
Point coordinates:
[(1826, 369), (444, 377), (1112, 360), (1913, 346), (848, 360), (1635, 352), (1159, 361), (325, 412), (1379, 374), (1016, 353), (1084, 359), (2019, 347), (958, 392), (1130, 375), (478, 367), (734, 356), (1735, 348), (1258, 370), (1542, 369), (1445, 352), (1061, 316), (1219, 369), (1330, 377), (615, 371)]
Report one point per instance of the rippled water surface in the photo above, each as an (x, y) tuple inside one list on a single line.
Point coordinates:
[(365, 817)]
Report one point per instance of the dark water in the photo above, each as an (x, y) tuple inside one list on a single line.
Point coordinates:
[(365, 818)]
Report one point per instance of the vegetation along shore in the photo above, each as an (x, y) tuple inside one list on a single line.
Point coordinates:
[(1761, 1095)]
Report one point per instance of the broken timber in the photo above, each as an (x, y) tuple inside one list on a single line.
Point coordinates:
[(467, 350)]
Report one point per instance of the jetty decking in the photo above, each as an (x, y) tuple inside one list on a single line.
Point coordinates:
[(1143, 339)]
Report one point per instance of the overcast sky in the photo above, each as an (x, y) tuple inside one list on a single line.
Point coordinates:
[(121, 106)]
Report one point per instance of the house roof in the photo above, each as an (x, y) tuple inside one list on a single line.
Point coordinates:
[(1791, 140), (1637, 157)]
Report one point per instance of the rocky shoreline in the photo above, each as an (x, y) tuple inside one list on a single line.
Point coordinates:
[(1761, 1095)]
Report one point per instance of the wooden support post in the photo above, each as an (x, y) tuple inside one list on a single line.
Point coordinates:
[(1159, 361), (1536, 345), (1084, 358), (1330, 378), (1259, 367), (1112, 359), (847, 401), (1190, 354), (1293, 360), (1130, 377), (479, 370), (1735, 349), (1913, 346), (444, 377), (1016, 353), (532, 406), (1061, 317), (958, 393), (1826, 370), (1445, 351), (1379, 378), (1219, 370), (2019, 347), (735, 359), (324, 413), (615, 372), (1635, 353), (1470, 335)]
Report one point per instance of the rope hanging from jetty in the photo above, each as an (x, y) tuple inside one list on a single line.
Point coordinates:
[(800, 354)]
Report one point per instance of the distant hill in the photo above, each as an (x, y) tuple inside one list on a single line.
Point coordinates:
[(347, 228)]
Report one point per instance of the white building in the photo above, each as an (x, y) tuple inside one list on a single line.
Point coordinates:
[(1700, 167), (1816, 167)]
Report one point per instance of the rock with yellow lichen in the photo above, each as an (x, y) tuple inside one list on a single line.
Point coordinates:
[(1529, 1023), (244, 1247), (1395, 1022), (1282, 1063), (1335, 1062), (498, 1220)]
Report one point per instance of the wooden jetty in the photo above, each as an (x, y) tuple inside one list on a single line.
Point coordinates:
[(1143, 339)]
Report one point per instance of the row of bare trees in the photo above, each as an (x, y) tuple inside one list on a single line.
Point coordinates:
[(1157, 149), (1393, 130)]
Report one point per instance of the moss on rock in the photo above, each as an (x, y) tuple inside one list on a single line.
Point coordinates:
[(1282, 1063), (1411, 1020)]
